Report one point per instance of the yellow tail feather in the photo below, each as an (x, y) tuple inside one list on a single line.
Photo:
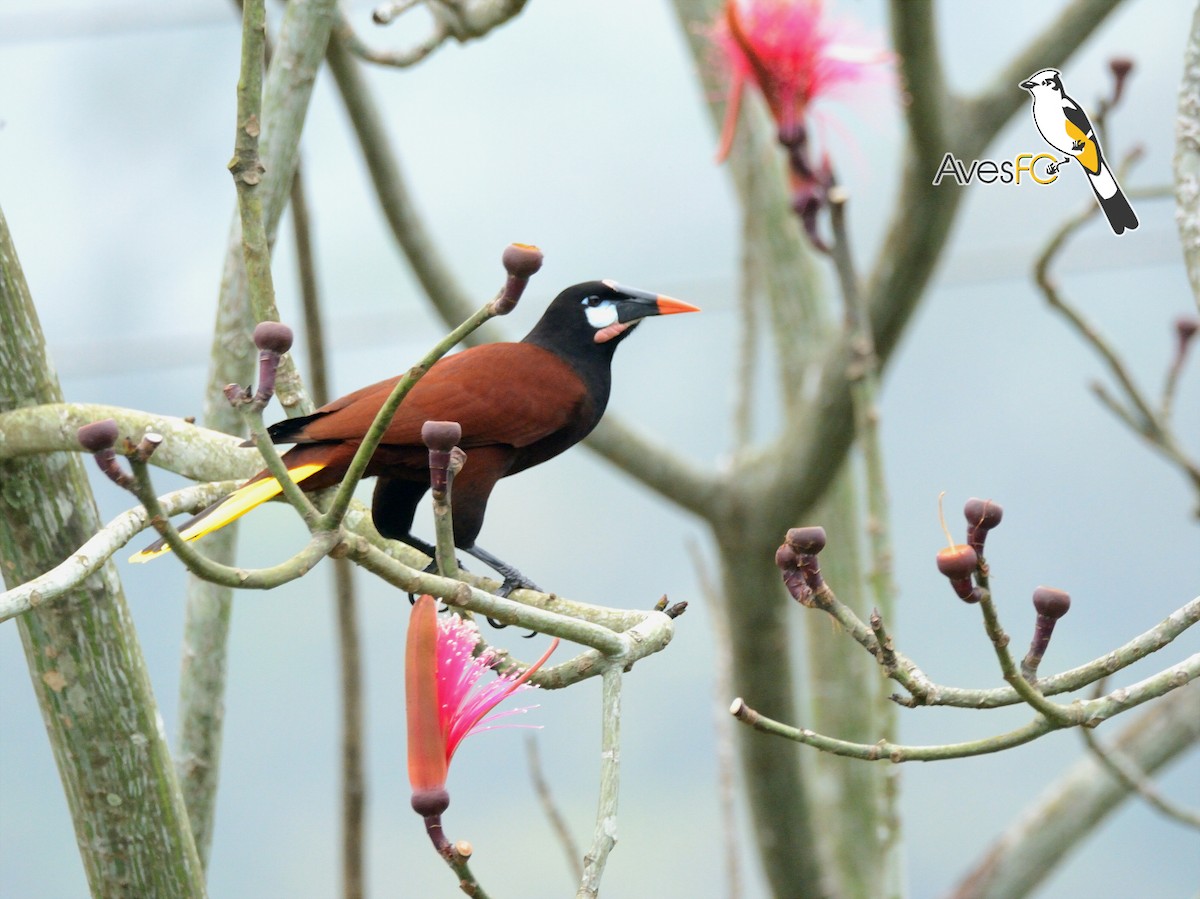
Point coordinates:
[(234, 506)]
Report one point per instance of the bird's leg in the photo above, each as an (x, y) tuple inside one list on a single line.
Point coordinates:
[(421, 546), (513, 579)]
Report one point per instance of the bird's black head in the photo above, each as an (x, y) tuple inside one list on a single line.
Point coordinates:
[(598, 314)]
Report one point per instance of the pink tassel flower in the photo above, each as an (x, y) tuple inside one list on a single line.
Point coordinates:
[(794, 54), (444, 701)]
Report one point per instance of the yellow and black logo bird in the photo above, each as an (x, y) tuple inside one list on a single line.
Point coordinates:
[(1066, 128)]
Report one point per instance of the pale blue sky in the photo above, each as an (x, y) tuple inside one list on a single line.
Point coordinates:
[(578, 127)]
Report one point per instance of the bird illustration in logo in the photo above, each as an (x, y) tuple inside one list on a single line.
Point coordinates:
[(1065, 126)]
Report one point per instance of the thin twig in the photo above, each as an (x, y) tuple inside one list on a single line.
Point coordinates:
[(1128, 773), (1186, 162), (1142, 418), (346, 601), (399, 59), (443, 525), (1060, 715), (320, 545), (605, 836), (885, 750), (909, 675), (1076, 803), (247, 167), (725, 752), (458, 19), (354, 787), (864, 393), (557, 822), (508, 611), (1083, 714), (748, 355), (100, 547)]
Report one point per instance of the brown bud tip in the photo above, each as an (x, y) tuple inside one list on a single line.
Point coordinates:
[(957, 562), (441, 435), (786, 558), (1120, 66), (99, 435), (1186, 327), (521, 260), (273, 336), (430, 802), (806, 541), (1050, 602), (982, 513)]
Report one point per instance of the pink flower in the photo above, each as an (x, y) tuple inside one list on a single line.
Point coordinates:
[(795, 55), (443, 703)]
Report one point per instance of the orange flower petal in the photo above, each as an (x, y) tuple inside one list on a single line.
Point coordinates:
[(426, 744)]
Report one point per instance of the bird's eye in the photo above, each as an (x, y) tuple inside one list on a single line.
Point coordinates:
[(591, 301)]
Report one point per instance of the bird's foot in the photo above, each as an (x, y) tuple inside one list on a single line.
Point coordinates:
[(513, 579), (1078, 146), (431, 568), (516, 581)]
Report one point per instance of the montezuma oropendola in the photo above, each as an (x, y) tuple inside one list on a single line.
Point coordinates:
[(519, 404)]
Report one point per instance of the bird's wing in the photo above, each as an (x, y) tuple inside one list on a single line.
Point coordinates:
[(1079, 129), (500, 393)]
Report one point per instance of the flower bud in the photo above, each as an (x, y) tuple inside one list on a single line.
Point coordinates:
[(786, 558), (1120, 67), (1186, 327), (1051, 604), (273, 337), (427, 803), (441, 435), (99, 435), (806, 541), (982, 515), (98, 438), (522, 260), (958, 563)]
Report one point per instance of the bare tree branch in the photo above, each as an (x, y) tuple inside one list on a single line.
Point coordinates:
[(85, 663), (1187, 159), (1042, 836)]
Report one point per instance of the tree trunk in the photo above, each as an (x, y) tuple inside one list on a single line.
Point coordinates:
[(84, 659)]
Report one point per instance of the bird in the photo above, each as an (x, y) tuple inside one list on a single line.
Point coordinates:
[(1065, 126), (519, 404)]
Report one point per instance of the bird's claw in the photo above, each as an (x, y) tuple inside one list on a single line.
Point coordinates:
[(510, 584), (518, 582)]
